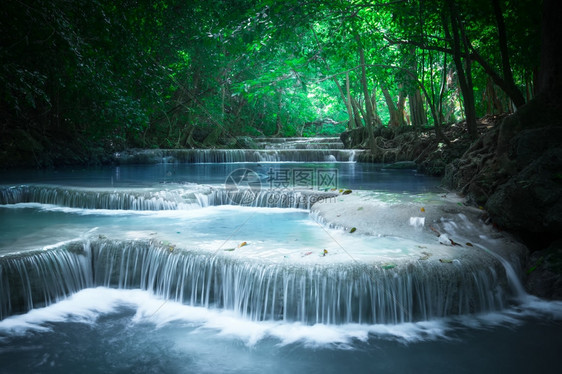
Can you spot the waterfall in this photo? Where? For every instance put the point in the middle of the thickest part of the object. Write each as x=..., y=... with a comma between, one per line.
x=204, y=156
x=514, y=282
x=265, y=198
x=130, y=199
x=310, y=294
x=37, y=279
x=300, y=143
x=84, y=198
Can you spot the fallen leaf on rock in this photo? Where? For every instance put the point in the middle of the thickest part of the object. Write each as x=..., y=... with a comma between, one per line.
x=426, y=255
x=435, y=230
x=346, y=192
x=242, y=244
x=353, y=229
x=360, y=208
x=422, y=209
x=445, y=261
x=229, y=249
x=455, y=243
x=469, y=244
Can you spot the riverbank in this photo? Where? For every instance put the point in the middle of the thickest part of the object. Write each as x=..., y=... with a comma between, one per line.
x=512, y=171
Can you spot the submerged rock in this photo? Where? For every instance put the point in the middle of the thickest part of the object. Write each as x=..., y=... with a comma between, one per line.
x=402, y=165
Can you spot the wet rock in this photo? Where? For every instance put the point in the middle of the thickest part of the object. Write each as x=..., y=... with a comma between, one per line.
x=246, y=142
x=354, y=138
x=515, y=171
x=544, y=272
x=531, y=144
x=531, y=200
x=139, y=156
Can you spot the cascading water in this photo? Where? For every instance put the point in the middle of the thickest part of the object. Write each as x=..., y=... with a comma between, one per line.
x=257, y=290
x=175, y=260
x=205, y=156
x=34, y=280
x=150, y=199
x=300, y=143
x=84, y=198
x=270, y=150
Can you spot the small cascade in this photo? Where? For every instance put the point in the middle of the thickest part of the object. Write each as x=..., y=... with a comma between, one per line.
x=177, y=199
x=300, y=143
x=84, y=198
x=514, y=281
x=265, y=198
x=38, y=279
x=270, y=150
x=310, y=294
x=204, y=156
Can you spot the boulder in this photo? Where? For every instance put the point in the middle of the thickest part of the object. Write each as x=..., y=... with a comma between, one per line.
x=531, y=200
x=544, y=272
x=354, y=138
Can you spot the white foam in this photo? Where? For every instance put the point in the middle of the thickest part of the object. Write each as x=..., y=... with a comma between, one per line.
x=190, y=213
x=417, y=221
x=88, y=305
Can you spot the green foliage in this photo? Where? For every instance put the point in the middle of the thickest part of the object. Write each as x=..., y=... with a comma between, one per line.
x=91, y=75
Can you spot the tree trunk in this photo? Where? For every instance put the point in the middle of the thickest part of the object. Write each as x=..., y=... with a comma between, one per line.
x=278, y=119
x=511, y=88
x=356, y=112
x=417, y=110
x=368, y=107
x=550, y=71
x=377, y=119
x=348, y=103
x=396, y=112
x=465, y=79
x=360, y=110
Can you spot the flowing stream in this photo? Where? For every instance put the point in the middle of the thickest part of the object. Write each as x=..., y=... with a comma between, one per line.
x=288, y=258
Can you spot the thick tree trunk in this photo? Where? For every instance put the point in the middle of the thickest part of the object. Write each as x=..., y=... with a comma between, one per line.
x=550, y=71
x=396, y=112
x=418, y=116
